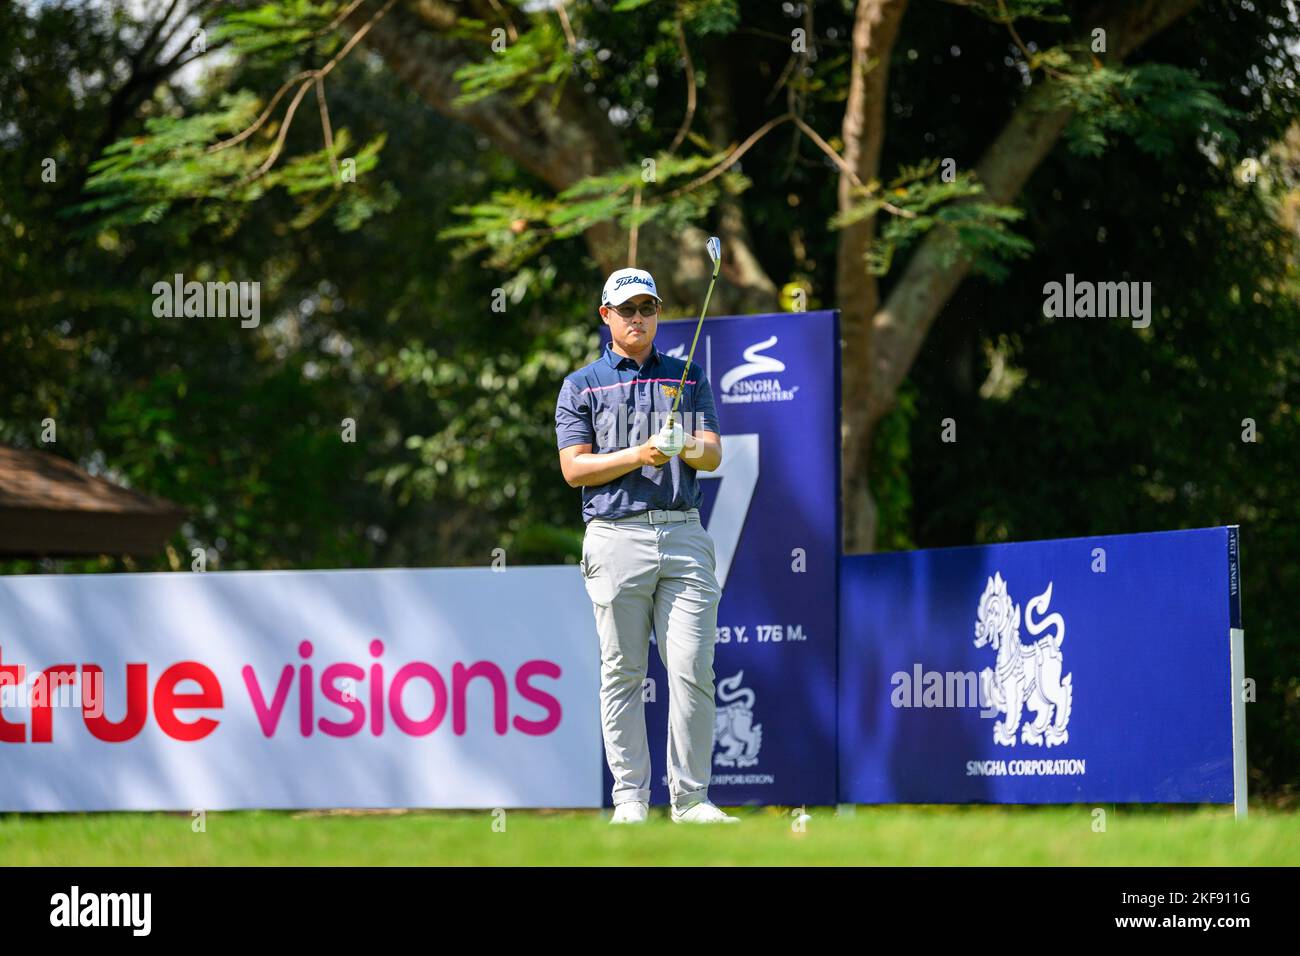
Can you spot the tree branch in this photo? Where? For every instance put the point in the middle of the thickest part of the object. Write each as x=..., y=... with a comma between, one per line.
x=310, y=76
x=328, y=132
x=733, y=157
x=559, y=146
x=875, y=30
x=147, y=48
x=560, y=139
x=284, y=131
x=141, y=81
x=690, y=88
x=930, y=278
x=563, y=14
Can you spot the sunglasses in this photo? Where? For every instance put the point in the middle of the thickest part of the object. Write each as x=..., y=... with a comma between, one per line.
x=645, y=308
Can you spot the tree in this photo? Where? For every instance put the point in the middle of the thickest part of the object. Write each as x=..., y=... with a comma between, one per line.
x=537, y=85
x=242, y=426
x=978, y=152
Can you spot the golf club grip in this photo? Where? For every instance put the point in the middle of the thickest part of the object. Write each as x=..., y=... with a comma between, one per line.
x=669, y=424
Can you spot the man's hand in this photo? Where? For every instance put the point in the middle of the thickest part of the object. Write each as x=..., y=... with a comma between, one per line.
x=582, y=468
x=649, y=454
x=670, y=441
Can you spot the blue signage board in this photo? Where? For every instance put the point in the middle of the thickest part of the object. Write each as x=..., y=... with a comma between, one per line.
x=772, y=510
x=1071, y=671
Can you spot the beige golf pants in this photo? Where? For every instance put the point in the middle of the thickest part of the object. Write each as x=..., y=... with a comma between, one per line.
x=655, y=569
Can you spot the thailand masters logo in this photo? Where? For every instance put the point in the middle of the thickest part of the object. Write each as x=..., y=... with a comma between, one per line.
x=734, y=729
x=1026, y=675
x=738, y=385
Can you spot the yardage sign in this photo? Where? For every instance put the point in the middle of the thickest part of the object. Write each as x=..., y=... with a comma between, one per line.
x=773, y=512
x=1099, y=669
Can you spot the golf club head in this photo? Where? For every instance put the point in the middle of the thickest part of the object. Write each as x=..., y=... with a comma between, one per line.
x=714, y=245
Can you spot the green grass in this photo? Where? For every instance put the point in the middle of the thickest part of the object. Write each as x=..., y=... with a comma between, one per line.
x=910, y=836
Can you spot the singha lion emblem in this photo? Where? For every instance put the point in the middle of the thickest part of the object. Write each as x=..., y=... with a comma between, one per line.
x=1026, y=675
x=734, y=729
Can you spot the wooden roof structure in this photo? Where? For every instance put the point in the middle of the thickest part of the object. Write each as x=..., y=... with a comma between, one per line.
x=51, y=507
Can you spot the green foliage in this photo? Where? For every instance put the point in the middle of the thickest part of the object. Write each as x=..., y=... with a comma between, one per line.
x=513, y=226
x=917, y=202
x=703, y=17
x=501, y=226
x=1008, y=11
x=982, y=235
x=242, y=427
x=538, y=60
x=140, y=177
x=143, y=178
x=1157, y=105
x=279, y=32
x=891, y=484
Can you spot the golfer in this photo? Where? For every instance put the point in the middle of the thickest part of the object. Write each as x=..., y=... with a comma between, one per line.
x=646, y=558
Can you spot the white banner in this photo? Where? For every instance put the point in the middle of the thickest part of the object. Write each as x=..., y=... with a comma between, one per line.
x=299, y=689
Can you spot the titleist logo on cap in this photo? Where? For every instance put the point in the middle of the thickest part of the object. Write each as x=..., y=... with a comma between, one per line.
x=629, y=279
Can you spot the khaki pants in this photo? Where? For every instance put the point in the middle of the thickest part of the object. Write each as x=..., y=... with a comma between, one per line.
x=655, y=569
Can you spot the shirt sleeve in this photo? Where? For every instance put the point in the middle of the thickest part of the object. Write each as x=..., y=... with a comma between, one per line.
x=706, y=415
x=573, y=424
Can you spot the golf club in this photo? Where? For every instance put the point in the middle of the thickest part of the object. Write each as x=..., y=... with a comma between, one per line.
x=714, y=247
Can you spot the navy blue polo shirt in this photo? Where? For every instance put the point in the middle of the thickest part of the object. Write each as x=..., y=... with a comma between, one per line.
x=612, y=404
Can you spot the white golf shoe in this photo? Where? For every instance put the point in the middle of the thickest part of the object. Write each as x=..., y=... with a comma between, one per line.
x=704, y=812
x=634, y=811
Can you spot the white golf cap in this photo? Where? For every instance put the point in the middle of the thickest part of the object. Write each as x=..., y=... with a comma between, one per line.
x=625, y=283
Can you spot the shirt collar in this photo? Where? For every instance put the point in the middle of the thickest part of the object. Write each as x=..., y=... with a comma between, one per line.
x=616, y=361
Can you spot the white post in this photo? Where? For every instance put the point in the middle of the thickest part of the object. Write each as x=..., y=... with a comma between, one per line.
x=1237, y=639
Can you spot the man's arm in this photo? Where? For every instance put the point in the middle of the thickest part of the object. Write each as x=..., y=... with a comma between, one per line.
x=703, y=450
x=581, y=467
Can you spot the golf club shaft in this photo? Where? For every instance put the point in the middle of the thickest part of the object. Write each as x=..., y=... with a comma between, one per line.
x=717, y=266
